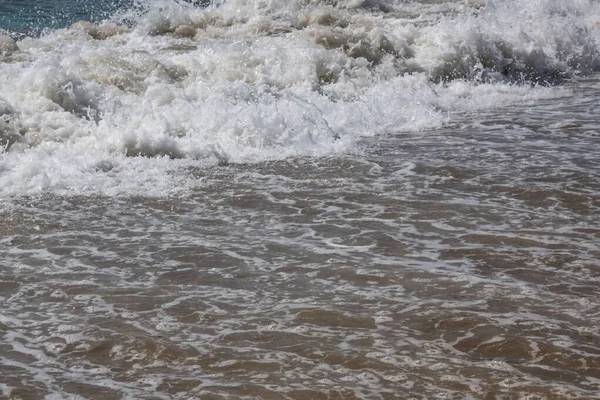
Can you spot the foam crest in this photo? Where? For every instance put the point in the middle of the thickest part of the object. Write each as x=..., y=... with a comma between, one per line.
x=243, y=81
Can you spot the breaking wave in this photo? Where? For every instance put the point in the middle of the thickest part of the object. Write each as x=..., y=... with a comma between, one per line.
x=126, y=105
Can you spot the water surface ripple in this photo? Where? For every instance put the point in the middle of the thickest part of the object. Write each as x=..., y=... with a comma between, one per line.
x=460, y=263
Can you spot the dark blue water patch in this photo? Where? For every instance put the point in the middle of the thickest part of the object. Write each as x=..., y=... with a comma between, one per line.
x=32, y=17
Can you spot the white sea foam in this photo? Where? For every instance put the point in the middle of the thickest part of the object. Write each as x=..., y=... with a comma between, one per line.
x=114, y=109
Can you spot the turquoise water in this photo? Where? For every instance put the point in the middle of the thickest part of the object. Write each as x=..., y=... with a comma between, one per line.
x=33, y=16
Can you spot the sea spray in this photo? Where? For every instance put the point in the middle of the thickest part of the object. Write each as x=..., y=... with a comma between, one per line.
x=242, y=81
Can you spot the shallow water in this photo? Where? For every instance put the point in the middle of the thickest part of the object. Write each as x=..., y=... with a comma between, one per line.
x=461, y=263
x=444, y=246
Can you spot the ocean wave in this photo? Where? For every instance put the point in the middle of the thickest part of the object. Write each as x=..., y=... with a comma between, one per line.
x=249, y=81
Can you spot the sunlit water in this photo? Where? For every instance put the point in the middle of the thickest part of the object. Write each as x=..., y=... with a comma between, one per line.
x=303, y=201
x=34, y=16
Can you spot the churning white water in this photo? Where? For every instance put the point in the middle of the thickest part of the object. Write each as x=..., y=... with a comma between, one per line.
x=353, y=199
x=125, y=106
